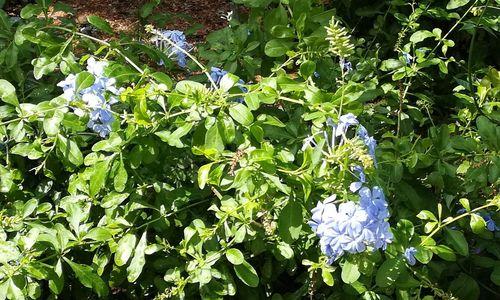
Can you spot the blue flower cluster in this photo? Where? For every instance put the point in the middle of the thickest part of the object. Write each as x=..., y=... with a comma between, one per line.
x=94, y=97
x=352, y=227
x=179, y=39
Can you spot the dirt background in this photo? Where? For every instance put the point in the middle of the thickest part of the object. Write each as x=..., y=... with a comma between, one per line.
x=201, y=16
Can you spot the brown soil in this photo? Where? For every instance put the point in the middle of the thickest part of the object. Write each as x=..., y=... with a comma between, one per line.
x=204, y=16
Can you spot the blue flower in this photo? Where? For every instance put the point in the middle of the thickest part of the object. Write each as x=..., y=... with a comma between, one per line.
x=352, y=227
x=217, y=74
x=323, y=213
x=375, y=204
x=373, y=201
x=345, y=65
x=369, y=141
x=410, y=255
x=100, y=121
x=345, y=121
x=408, y=58
x=179, y=39
x=490, y=223
x=360, y=175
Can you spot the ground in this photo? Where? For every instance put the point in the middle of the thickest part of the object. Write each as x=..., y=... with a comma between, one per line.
x=205, y=15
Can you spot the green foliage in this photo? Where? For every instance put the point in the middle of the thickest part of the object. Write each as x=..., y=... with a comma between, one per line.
x=202, y=191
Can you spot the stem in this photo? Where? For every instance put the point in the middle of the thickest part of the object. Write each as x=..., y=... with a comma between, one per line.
x=103, y=43
x=442, y=225
x=32, y=115
x=291, y=100
x=343, y=90
x=469, y=69
x=402, y=96
x=453, y=27
x=172, y=213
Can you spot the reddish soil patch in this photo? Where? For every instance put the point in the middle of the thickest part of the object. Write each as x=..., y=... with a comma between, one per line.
x=200, y=17
x=203, y=15
x=121, y=15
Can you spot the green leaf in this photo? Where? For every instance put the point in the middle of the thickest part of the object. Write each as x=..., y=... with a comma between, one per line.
x=174, y=138
x=235, y=256
x=121, y=177
x=327, y=277
x=111, y=144
x=124, y=250
x=389, y=272
x=147, y=9
x=29, y=207
x=444, y=252
x=226, y=128
x=477, y=224
x=457, y=239
x=99, y=234
x=290, y=222
x=42, y=66
x=30, y=10
x=495, y=275
x=100, y=24
x=456, y=4
x=8, y=93
x=350, y=272
x=391, y=64
x=8, y=252
x=203, y=172
x=138, y=261
x=163, y=78
x=213, y=139
x=489, y=132
x=285, y=250
x=277, y=47
x=241, y=114
x=11, y=55
x=51, y=124
x=426, y=215
x=282, y=31
x=276, y=181
x=98, y=178
x=420, y=36
x=307, y=68
x=88, y=278
x=83, y=80
x=247, y=274
x=113, y=199
x=14, y=290
x=465, y=287
x=70, y=151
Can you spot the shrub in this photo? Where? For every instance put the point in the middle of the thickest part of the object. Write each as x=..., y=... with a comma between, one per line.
x=362, y=162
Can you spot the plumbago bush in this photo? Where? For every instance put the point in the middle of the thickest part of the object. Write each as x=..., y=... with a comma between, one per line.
x=343, y=150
